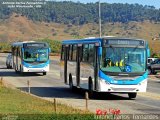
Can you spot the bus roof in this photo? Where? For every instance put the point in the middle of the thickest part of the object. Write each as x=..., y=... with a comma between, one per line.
x=94, y=39
x=85, y=40
x=21, y=43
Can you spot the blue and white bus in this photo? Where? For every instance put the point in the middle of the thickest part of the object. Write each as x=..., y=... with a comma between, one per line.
x=107, y=64
x=31, y=56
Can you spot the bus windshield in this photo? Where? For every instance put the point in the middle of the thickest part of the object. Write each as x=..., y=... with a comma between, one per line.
x=123, y=59
x=35, y=55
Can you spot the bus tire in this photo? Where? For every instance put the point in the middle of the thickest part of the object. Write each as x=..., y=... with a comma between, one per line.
x=21, y=71
x=70, y=82
x=90, y=87
x=132, y=95
x=44, y=73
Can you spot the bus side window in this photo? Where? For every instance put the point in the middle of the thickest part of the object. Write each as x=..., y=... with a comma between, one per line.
x=91, y=54
x=85, y=52
x=74, y=53
x=70, y=52
x=81, y=53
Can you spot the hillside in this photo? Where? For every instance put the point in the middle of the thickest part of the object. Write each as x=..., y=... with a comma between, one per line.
x=68, y=12
x=20, y=28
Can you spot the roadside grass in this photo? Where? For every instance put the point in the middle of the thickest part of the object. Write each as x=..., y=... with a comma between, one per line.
x=15, y=102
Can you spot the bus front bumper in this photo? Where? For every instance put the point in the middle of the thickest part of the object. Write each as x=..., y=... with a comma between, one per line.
x=106, y=87
x=45, y=69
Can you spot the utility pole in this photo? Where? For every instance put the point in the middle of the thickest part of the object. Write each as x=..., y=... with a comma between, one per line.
x=100, y=30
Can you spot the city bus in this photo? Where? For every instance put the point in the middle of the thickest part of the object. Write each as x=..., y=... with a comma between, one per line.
x=30, y=56
x=106, y=64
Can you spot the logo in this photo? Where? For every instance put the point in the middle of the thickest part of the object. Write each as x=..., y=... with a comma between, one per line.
x=128, y=68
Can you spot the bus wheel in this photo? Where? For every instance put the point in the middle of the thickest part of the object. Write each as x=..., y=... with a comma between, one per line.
x=132, y=95
x=44, y=73
x=21, y=71
x=70, y=82
x=90, y=87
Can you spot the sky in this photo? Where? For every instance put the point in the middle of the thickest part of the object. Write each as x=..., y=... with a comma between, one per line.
x=155, y=3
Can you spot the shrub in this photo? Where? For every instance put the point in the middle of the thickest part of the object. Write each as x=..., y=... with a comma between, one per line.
x=5, y=47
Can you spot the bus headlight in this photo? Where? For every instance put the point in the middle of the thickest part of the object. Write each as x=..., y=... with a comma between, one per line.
x=104, y=81
x=143, y=82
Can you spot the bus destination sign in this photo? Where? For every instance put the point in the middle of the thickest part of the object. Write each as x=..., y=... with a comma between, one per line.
x=124, y=42
x=35, y=45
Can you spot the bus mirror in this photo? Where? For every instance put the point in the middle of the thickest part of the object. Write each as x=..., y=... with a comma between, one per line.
x=99, y=51
x=148, y=53
x=49, y=50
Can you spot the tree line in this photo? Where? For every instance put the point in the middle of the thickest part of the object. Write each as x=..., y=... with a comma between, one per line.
x=79, y=13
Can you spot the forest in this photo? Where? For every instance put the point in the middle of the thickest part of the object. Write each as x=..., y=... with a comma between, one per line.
x=79, y=13
x=55, y=21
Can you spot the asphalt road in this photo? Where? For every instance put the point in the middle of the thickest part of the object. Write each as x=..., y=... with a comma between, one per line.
x=50, y=87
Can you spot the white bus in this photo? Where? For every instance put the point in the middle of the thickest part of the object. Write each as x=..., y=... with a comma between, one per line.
x=31, y=56
x=108, y=64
